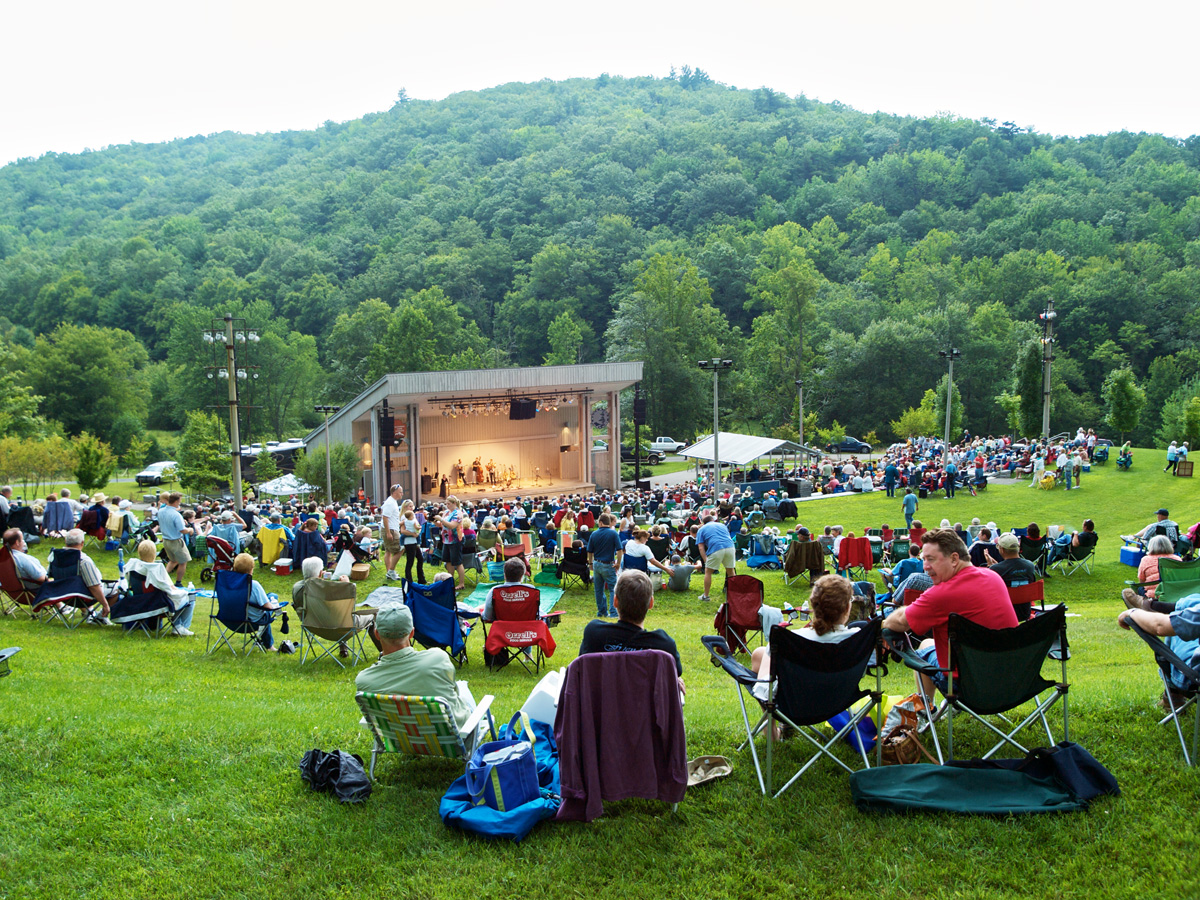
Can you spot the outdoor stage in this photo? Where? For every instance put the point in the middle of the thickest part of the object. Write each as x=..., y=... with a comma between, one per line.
x=545, y=488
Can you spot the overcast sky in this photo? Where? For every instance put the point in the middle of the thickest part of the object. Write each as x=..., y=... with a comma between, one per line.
x=78, y=75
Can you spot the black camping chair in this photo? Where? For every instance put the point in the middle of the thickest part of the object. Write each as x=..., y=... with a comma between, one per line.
x=1167, y=659
x=999, y=670
x=810, y=683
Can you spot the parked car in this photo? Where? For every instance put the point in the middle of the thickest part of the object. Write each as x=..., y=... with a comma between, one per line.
x=666, y=444
x=599, y=446
x=651, y=458
x=849, y=445
x=155, y=473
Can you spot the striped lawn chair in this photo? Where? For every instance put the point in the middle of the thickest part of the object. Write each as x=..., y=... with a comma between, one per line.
x=421, y=726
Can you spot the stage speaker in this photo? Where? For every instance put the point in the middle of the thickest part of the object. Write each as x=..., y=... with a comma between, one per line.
x=387, y=430
x=522, y=409
x=639, y=410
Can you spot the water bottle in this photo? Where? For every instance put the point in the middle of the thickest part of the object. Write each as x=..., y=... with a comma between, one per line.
x=120, y=560
x=191, y=588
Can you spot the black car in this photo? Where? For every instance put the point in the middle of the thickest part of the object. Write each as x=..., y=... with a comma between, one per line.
x=652, y=458
x=849, y=445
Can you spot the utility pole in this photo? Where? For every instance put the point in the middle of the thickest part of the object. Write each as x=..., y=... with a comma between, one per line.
x=800, y=424
x=717, y=366
x=1047, y=316
x=223, y=333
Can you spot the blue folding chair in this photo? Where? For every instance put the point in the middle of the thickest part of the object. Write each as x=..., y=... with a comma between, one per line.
x=437, y=619
x=233, y=615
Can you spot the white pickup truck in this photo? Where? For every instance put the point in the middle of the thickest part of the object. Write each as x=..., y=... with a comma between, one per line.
x=667, y=445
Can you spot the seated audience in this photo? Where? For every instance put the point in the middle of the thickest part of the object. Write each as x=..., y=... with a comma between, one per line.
x=984, y=552
x=311, y=569
x=681, y=574
x=259, y=601
x=1076, y=545
x=1181, y=628
x=904, y=568
x=31, y=572
x=147, y=572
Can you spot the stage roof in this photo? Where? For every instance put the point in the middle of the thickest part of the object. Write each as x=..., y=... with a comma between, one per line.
x=740, y=449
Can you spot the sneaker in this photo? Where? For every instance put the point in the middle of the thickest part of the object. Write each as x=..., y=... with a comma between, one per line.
x=1134, y=600
x=101, y=620
x=391, y=576
x=612, y=614
x=704, y=598
x=183, y=632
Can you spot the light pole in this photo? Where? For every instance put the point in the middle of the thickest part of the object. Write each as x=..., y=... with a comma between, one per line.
x=950, y=356
x=326, y=410
x=1048, y=315
x=223, y=332
x=717, y=366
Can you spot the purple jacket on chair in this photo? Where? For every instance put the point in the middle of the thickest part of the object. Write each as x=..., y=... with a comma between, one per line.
x=619, y=730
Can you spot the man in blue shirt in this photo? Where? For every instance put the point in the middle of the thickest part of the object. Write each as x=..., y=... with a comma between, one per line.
x=1182, y=631
x=890, y=476
x=171, y=524
x=604, y=551
x=716, y=550
x=908, y=566
x=951, y=478
x=910, y=506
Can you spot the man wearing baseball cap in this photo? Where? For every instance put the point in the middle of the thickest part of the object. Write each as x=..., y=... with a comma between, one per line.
x=1161, y=525
x=402, y=669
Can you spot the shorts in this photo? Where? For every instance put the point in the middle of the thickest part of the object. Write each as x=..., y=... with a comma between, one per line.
x=391, y=544
x=452, y=554
x=929, y=654
x=177, y=551
x=721, y=559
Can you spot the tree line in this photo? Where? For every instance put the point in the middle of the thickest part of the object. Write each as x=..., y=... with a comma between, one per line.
x=666, y=220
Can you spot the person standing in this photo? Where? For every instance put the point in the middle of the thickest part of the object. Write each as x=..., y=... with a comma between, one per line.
x=1067, y=466
x=390, y=514
x=172, y=527
x=717, y=551
x=1172, y=457
x=604, y=551
x=451, y=523
x=890, y=475
x=910, y=504
x=951, y=471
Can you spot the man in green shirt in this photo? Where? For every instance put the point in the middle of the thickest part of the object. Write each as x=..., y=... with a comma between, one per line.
x=401, y=669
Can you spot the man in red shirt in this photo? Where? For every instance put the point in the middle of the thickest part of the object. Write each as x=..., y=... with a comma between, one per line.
x=979, y=594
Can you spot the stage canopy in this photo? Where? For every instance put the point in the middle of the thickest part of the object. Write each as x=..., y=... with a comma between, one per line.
x=740, y=449
x=285, y=486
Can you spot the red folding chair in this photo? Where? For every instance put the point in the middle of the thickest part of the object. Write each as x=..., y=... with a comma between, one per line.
x=16, y=597
x=1023, y=596
x=737, y=619
x=854, y=556
x=518, y=630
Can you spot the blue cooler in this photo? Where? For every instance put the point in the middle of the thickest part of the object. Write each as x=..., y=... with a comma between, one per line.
x=1087, y=467
x=1131, y=555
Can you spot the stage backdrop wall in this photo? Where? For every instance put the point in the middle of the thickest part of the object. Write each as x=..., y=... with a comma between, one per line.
x=523, y=444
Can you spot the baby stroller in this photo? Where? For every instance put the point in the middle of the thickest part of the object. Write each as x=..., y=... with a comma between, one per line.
x=344, y=541
x=219, y=554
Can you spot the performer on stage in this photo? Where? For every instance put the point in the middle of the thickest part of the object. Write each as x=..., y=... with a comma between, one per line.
x=491, y=470
x=478, y=470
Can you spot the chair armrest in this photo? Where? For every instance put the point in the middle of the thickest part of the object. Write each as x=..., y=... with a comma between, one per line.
x=918, y=664
x=483, y=708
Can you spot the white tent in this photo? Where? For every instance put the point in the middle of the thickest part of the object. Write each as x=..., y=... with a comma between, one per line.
x=740, y=449
x=285, y=486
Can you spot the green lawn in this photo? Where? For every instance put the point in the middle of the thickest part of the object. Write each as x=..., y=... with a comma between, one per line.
x=134, y=768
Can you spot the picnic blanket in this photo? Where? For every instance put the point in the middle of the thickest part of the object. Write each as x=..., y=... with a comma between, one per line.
x=549, y=597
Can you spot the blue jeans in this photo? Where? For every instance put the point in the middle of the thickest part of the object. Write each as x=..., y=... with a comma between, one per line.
x=891, y=488
x=951, y=484
x=908, y=517
x=605, y=576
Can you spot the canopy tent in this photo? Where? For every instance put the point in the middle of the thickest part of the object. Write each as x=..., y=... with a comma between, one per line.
x=285, y=486
x=740, y=449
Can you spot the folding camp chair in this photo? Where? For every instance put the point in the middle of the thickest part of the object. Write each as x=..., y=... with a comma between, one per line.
x=803, y=559
x=472, y=562
x=999, y=670
x=96, y=534
x=898, y=549
x=518, y=631
x=810, y=683
x=1076, y=558
x=1176, y=580
x=306, y=544
x=1035, y=551
x=1167, y=660
x=574, y=565
x=64, y=596
x=628, y=700
x=326, y=611
x=145, y=608
x=421, y=726
x=660, y=547
x=737, y=619
x=741, y=542
x=16, y=596
x=1023, y=596
x=486, y=539
x=232, y=616
x=437, y=620
x=854, y=557
x=763, y=554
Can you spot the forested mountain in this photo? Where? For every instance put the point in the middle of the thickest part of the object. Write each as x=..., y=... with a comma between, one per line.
x=667, y=220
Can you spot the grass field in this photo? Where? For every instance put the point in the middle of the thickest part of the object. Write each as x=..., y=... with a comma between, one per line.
x=137, y=768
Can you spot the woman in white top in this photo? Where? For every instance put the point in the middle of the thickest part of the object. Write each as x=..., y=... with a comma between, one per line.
x=410, y=535
x=829, y=604
x=639, y=549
